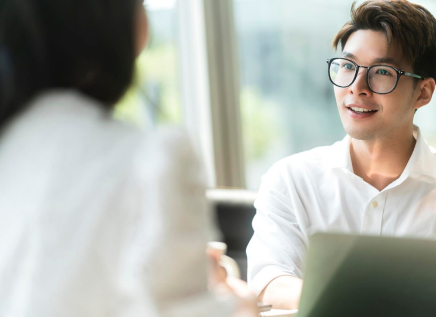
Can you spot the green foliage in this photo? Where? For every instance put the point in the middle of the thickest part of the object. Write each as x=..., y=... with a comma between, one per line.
x=156, y=70
x=260, y=124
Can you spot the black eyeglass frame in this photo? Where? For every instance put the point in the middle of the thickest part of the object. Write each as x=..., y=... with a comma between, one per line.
x=368, y=68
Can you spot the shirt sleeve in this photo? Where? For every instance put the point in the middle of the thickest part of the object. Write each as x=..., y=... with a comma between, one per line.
x=166, y=263
x=278, y=245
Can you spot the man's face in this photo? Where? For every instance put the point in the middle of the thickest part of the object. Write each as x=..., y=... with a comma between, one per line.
x=394, y=111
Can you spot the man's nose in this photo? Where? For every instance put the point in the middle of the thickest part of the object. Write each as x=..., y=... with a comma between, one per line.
x=360, y=86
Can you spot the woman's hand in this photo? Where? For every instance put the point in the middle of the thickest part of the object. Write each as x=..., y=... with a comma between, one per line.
x=220, y=283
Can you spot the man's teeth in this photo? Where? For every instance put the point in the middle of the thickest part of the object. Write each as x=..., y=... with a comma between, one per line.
x=361, y=109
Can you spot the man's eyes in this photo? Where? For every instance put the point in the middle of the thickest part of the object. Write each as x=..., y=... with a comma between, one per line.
x=348, y=66
x=383, y=72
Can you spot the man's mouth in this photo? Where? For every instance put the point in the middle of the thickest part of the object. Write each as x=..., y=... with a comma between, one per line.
x=361, y=110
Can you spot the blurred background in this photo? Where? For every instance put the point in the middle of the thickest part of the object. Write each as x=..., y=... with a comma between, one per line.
x=247, y=78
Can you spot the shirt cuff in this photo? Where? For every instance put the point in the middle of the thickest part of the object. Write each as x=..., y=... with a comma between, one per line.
x=265, y=276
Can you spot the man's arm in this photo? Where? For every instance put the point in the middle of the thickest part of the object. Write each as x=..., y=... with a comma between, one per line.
x=282, y=293
x=277, y=249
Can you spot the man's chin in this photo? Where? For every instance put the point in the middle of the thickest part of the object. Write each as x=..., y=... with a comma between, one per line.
x=361, y=134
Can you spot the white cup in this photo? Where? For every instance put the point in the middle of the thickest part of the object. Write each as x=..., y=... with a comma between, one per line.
x=226, y=262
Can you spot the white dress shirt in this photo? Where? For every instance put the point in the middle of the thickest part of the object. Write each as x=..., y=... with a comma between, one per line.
x=318, y=191
x=100, y=219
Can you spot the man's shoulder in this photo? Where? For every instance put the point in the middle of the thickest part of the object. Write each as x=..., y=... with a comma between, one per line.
x=301, y=168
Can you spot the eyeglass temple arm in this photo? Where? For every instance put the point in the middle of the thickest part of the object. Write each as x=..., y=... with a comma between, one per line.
x=413, y=75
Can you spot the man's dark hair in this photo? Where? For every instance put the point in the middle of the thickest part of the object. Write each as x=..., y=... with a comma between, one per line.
x=410, y=25
x=85, y=45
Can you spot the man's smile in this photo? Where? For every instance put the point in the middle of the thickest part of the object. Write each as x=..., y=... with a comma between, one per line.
x=359, y=111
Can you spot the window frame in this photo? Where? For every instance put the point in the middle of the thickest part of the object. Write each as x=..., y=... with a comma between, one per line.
x=210, y=88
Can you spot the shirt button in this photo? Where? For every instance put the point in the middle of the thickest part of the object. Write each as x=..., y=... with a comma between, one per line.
x=374, y=204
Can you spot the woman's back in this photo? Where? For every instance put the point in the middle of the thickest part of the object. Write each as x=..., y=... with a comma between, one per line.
x=93, y=213
x=63, y=163
x=96, y=219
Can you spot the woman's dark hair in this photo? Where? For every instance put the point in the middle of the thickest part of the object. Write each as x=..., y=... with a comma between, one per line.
x=412, y=26
x=85, y=45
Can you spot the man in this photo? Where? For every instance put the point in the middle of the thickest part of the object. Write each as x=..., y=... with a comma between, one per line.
x=381, y=179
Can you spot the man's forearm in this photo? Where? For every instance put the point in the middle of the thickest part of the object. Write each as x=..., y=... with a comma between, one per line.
x=282, y=293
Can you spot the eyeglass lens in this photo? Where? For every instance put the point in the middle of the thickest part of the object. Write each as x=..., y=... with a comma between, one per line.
x=381, y=79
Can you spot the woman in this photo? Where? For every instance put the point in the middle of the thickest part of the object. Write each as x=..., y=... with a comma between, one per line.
x=96, y=219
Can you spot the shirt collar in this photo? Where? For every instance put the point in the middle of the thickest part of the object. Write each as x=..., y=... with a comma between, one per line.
x=422, y=161
x=338, y=155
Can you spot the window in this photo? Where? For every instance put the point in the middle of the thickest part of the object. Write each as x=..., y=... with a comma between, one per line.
x=155, y=94
x=287, y=101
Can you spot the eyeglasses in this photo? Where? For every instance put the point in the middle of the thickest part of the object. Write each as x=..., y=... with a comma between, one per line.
x=381, y=79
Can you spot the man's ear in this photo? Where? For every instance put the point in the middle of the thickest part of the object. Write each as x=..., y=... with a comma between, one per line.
x=425, y=90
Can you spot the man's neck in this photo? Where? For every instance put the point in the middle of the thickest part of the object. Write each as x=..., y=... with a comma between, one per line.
x=380, y=162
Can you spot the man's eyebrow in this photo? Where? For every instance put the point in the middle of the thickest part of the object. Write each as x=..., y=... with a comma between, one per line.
x=348, y=55
x=380, y=60
x=386, y=60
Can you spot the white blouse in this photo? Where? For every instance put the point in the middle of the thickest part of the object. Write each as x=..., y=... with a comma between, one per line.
x=99, y=219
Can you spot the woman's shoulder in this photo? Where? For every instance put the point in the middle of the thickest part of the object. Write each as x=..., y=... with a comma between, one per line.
x=84, y=132
x=166, y=149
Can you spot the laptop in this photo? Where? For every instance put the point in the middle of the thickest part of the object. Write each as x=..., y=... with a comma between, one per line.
x=350, y=275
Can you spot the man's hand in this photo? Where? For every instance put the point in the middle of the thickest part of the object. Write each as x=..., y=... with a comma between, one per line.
x=282, y=293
